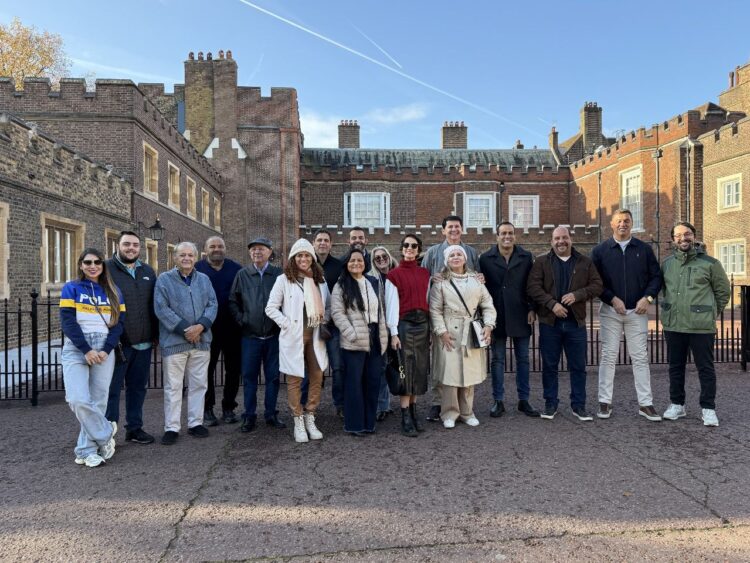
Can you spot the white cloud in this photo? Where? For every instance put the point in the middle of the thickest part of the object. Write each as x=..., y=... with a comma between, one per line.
x=397, y=114
x=319, y=130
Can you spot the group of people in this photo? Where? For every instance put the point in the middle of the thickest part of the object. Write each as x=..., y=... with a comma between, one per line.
x=382, y=327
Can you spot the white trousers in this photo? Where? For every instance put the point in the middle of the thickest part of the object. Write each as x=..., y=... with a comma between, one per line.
x=193, y=366
x=635, y=328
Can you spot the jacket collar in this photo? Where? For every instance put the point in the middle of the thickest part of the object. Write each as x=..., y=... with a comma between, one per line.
x=573, y=252
x=518, y=253
x=633, y=242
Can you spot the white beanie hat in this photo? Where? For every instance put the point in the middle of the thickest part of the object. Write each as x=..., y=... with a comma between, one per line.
x=453, y=248
x=302, y=245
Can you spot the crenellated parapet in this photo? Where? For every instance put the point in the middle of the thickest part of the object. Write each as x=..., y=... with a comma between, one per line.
x=731, y=139
x=30, y=158
x=111, y=98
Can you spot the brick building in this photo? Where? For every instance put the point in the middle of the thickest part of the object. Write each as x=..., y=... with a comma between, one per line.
x=120, y=127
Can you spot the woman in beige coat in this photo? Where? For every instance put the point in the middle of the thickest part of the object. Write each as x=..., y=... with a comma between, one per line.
x=456, y=363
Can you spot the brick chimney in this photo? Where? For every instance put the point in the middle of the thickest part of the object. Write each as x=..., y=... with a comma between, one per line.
x=455, y=135
x=591, y=126
x=518, y=145
x=348, y=134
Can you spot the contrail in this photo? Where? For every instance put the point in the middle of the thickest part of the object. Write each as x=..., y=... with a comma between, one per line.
x=257, y=67
x=394, y=70
x=378, y=47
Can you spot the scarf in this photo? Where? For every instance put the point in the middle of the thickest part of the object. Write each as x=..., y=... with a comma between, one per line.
x=314, y=308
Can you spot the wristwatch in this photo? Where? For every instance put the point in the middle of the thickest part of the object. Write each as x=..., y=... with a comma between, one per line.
x=649, y=299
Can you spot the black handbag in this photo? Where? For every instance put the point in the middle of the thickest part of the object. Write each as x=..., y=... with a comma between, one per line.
x=477, y=324
x=395, y=375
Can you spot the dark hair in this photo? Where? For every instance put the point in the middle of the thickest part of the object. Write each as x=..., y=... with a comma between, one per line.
x=106, y=282
x=623, y=211
x=356, y=228
x=681, y=224
x=350, y=292
x=452, y=218
x=497, y=229
x=292, y=272
x=415, y=237
x=125, y=234
x=322, y=232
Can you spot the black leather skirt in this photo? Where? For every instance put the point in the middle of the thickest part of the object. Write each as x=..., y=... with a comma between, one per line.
x=414, y=333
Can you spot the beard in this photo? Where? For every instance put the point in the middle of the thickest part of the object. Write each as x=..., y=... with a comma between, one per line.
x=125, y=260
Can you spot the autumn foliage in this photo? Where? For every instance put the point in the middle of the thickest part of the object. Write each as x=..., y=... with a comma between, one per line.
x=26, y=52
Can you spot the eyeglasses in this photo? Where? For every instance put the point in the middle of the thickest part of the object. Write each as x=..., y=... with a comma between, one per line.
x=381, y=258
x=91, y=262
x=412, y=245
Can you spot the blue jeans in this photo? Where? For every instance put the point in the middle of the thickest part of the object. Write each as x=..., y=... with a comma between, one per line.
x=497, y=367
x=86, y=392
x=257, y=351
x=362, y=375
x=333, y=347
x=134, y=372
x=564, y=335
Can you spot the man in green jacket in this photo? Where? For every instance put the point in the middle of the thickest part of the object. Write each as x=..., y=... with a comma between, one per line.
x=694, y=293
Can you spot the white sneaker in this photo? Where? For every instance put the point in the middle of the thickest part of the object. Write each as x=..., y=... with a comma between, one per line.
x=114, y=428
x=108, y=449
x=674, y=412
x=448, y=423
x=91, y=460
x=300, y=434
x=709, y=417
x=312, y=430
x=472, y=421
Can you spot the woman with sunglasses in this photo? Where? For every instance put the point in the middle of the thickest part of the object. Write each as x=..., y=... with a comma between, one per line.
x=382, y=263
x=91, y=315
x=297, y=304
x=459, y=366
x=410, y=313
x=357, y=310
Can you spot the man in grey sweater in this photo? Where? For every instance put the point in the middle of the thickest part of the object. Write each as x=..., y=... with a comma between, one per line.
x=185, y=303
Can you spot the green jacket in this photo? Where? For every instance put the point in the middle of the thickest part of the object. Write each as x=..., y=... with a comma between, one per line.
x=694, y=293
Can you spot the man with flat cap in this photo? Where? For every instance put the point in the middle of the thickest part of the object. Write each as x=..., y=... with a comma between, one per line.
x=260, y=335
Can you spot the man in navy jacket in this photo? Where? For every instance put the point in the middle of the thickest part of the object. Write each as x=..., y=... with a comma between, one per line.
x=632, y=280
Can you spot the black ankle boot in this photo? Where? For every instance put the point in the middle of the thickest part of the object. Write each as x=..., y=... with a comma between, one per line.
x=418, y=426
x=407, y=424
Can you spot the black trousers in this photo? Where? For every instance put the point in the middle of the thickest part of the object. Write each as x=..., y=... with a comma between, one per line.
x=226, y=338
x=702, y=348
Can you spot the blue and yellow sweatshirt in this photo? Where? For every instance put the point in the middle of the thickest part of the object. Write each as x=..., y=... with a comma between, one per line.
x=78, y=315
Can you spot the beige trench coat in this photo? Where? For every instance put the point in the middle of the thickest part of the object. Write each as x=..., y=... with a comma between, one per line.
x=464, y=366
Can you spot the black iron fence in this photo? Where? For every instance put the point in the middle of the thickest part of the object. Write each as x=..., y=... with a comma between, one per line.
x=30, y=359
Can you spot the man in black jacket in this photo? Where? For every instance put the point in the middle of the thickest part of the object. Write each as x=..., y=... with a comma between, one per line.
x=136, y=282
x=632, y=280
x=506, y=268
x=260, y=335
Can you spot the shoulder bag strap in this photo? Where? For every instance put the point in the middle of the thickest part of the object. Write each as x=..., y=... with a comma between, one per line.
x=462, y=300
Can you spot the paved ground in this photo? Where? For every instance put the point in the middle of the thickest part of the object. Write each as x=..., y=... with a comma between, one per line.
x=513, y=489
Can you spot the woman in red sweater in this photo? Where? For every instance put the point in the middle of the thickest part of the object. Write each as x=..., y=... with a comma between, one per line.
x=412, y=343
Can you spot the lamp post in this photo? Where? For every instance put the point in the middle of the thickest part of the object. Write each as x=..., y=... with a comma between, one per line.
x=155, y=231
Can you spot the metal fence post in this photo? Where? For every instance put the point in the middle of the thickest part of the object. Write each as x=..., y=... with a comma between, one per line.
x=34, y=349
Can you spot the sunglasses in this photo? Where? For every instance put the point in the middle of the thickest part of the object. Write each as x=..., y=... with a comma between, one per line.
x=381, y=258
x=91, y=262
x=412, y=245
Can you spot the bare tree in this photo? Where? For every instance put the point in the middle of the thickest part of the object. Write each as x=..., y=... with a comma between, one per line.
x=24, y=51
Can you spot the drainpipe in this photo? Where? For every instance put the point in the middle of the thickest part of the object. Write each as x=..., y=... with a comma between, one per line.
x=657, y=154
x=688, y=195
x=599, y=213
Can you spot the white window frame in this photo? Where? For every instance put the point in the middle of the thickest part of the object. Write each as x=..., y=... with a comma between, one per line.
x=151, y=183
x=64, y=272
x=739, y=246
x=175, y=203
x=192, y=197
x=217, y=213
x=205, y=206
x=733, y=182
x=488, y=197
x=385, y=209
x=634, y=206
x=513, y=199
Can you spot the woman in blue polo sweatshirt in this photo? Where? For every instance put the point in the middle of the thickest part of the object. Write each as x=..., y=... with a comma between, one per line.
x=91, y=315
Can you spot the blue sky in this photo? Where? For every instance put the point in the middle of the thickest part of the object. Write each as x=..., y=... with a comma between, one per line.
x=508, y=70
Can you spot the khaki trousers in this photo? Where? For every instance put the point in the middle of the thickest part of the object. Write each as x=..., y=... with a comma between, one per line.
x=315, y=377
x=457, y=402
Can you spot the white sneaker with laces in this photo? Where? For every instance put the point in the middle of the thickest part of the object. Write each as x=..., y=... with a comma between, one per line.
x=709, y=417
x=674, y=412
x=472, y=421
x=300, y=434
x=448, y=423
x=312, y=430
x=91, y=460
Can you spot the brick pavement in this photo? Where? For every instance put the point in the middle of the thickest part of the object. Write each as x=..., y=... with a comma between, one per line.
x=513, y=489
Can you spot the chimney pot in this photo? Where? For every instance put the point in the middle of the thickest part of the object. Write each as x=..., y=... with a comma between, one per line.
x=200, y=55
x=221, y=53
x=191, y=56
x=209, y=56
x=229, y=54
